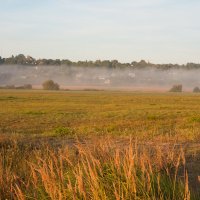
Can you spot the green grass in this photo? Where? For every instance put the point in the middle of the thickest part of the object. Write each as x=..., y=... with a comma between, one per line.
x=100, y=113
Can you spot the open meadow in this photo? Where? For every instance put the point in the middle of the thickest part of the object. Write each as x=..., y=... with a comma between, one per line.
x=99, y=145
x=85, y=113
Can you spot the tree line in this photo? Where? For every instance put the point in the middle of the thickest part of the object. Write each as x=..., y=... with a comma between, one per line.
x=30, y=61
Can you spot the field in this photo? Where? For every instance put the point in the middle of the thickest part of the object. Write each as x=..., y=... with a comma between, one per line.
x=99, y=145
x=142, y=115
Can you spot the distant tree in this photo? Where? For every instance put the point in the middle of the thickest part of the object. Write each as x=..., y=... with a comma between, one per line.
x=192, y=66
x=20, y=59
x=1, y=60
x=27, y=86
x=19, y=87
x=23, y=60
x=10, y=61
x=106, y=63
x=142, y=63
x=57, y=62
x=97, y=63
x=176, y=88
x=10, y=87
x=50, y=85
x=196, y=90
x=66, y=62
x=30, y=60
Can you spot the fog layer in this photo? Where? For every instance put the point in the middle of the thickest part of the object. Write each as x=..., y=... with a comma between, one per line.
x=99, y=77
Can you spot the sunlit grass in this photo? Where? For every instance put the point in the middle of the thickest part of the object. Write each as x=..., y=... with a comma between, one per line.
x=99, y=169
x=75, y=145
x=100, y=113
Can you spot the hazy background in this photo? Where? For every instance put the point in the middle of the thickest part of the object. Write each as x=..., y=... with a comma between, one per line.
x=159, y=31
x=99, y=77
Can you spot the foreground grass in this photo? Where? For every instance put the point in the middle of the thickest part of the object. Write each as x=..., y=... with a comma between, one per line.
x=41, y=157
x=95, y=170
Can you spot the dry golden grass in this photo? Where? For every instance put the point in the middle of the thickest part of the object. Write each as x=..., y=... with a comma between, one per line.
x=99, y=169
x=161, y=116
x=73, y=145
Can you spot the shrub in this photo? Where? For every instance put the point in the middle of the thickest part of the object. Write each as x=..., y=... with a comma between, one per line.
x=176, y=88
x=196, y=90
x=50, y=85
x=10, y=87
x=27, y=86
x=19, y=87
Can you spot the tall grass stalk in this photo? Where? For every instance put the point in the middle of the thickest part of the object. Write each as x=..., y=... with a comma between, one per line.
x=99, y=170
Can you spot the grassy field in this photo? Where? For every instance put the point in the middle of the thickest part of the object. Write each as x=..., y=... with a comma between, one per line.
x=100, y=113
x=118, y=145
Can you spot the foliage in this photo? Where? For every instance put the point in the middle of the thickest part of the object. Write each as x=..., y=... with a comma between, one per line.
x=50, y=85
x=9, y=87
x=176, y=88
x=196, y=90
x=23, y=60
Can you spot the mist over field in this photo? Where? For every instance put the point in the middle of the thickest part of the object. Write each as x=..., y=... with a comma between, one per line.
x=100, y=77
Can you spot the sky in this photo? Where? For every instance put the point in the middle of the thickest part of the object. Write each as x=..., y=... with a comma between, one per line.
x=158, y=31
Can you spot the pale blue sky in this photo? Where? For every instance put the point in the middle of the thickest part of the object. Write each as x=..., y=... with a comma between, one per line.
x=160, y=31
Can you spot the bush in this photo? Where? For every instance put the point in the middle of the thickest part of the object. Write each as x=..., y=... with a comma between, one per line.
x=176, y=88
x=27, y=86
x=10, y=87
x=50, y=85
x=196, y=90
